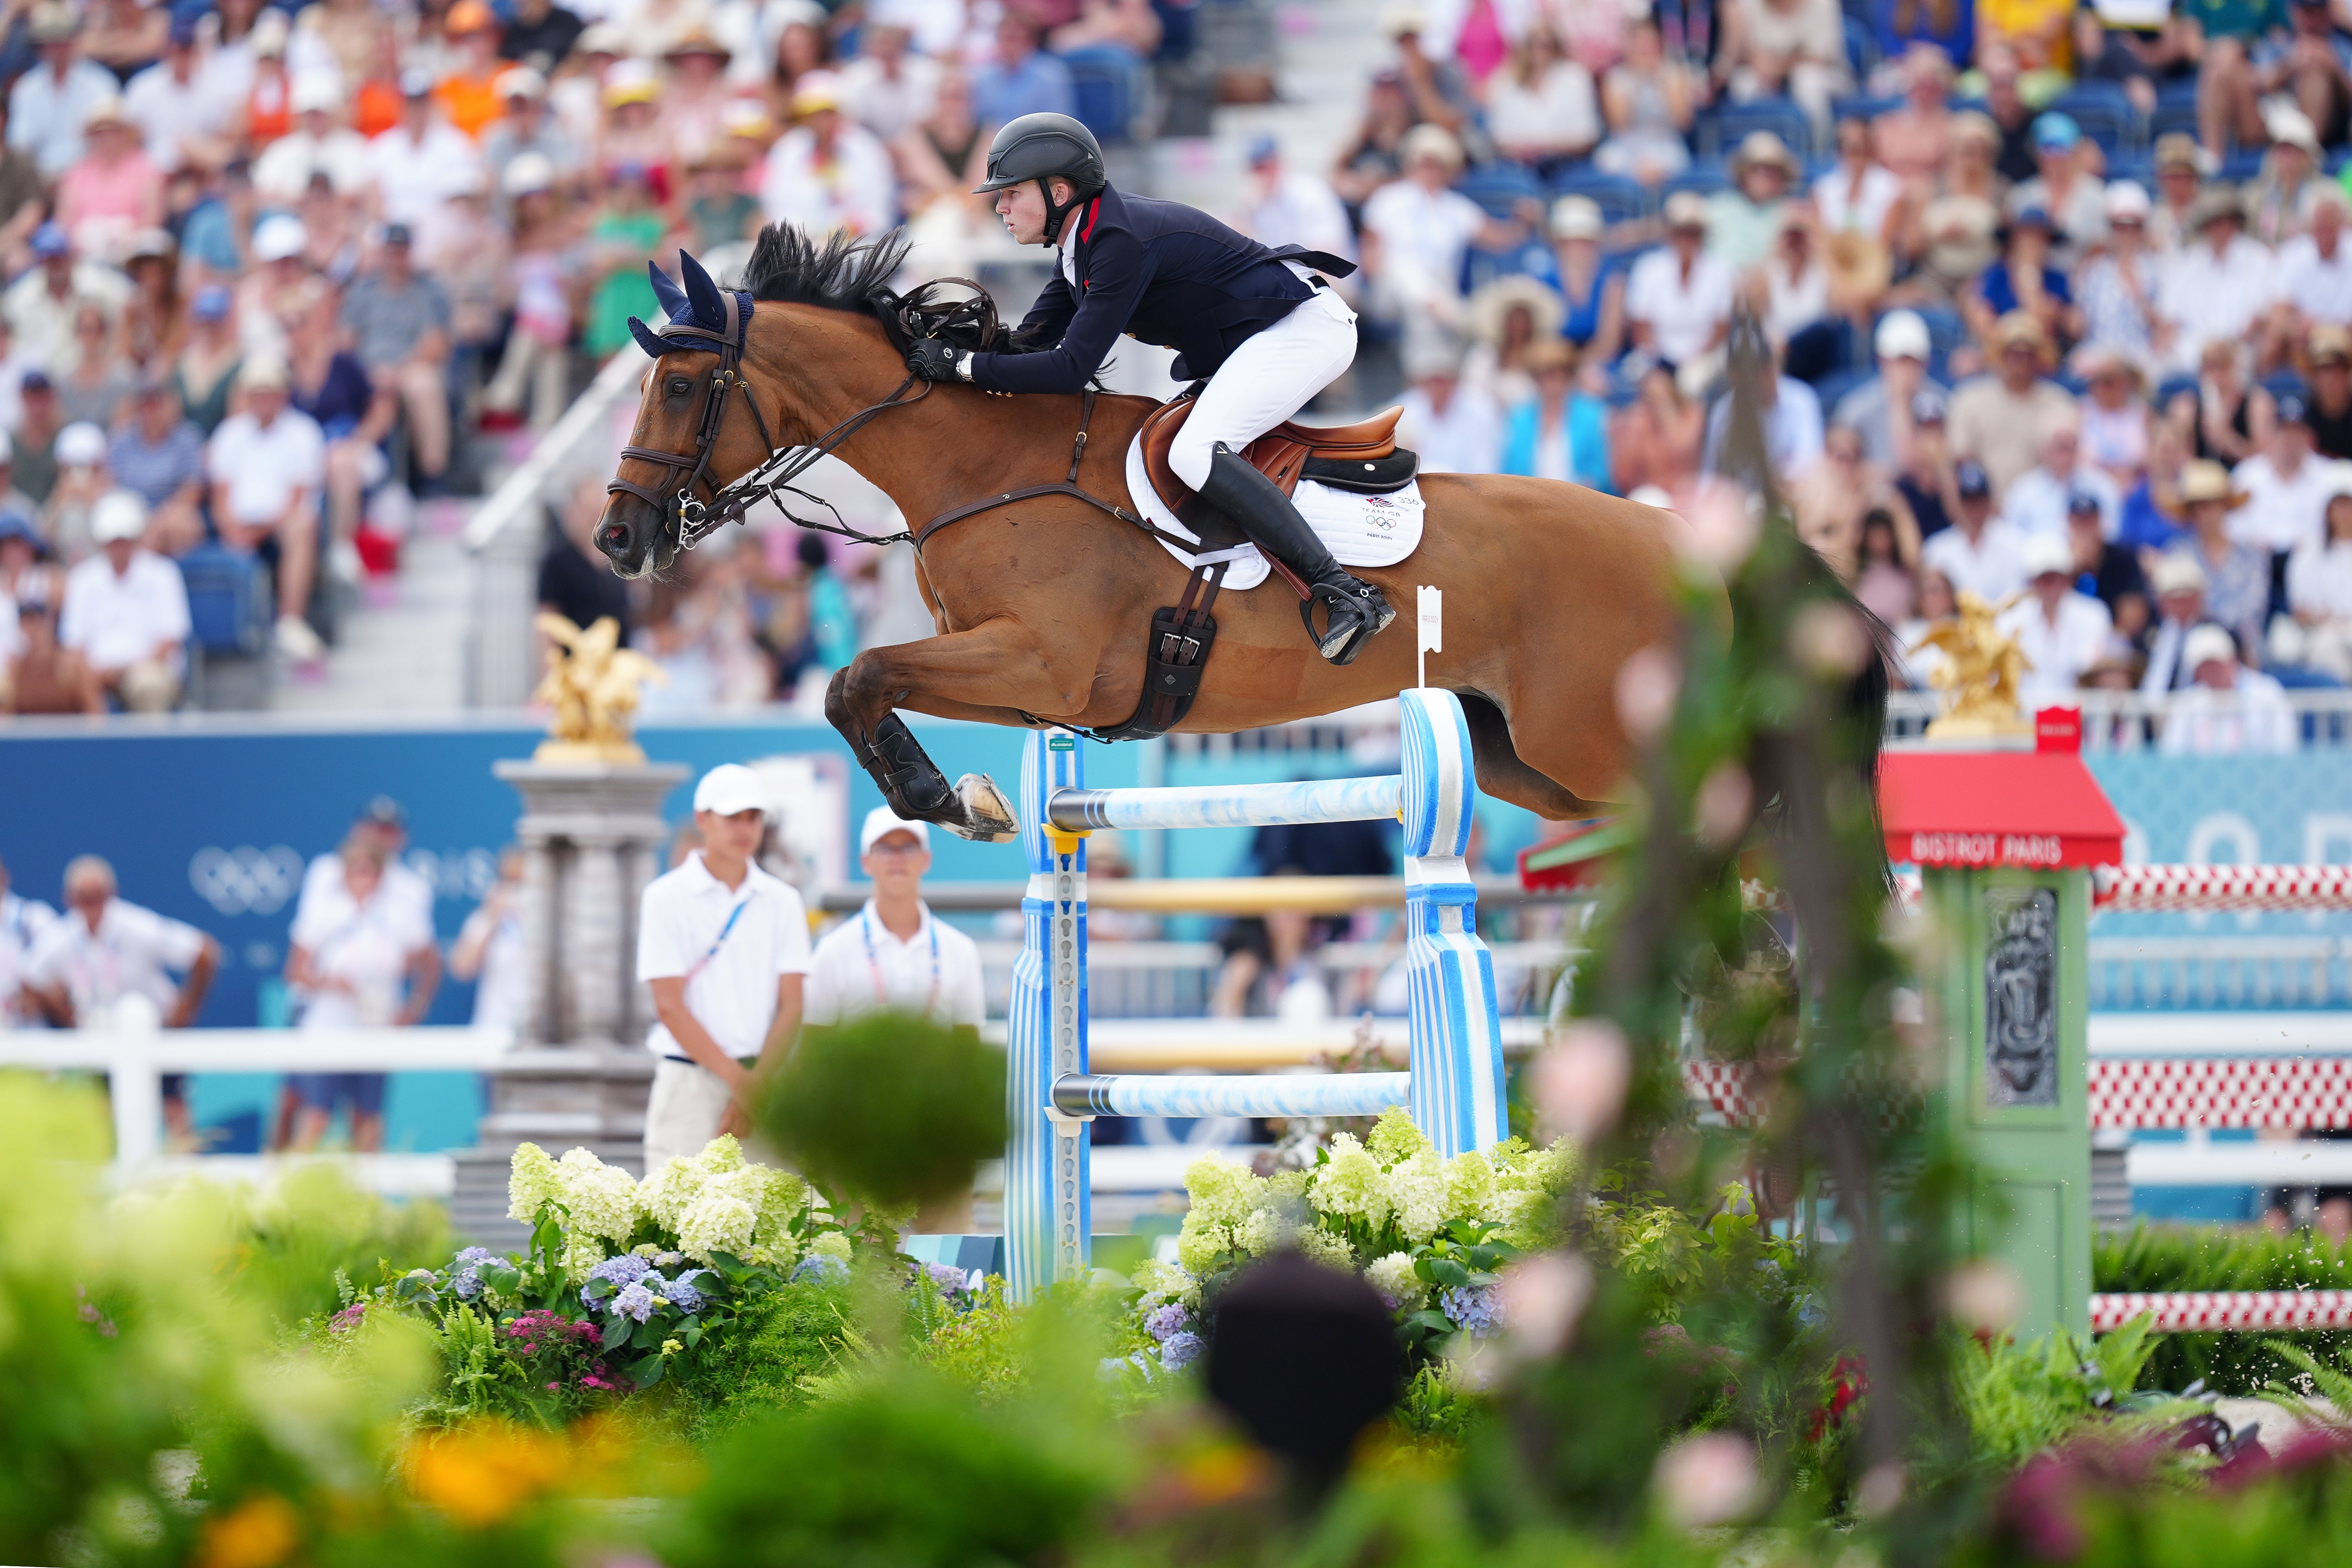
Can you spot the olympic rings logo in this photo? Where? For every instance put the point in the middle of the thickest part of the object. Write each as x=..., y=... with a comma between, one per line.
x=246, y=880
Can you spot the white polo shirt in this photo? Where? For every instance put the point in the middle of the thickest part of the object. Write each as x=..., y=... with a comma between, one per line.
x=2060, y=653
x=133, y=951
x=263, y=466
x=1992, y=567
x=365, y=945
x=684, y=929
x=22, y=923
x=322, y=878
x=1681, y=311
x=860, y=966
x=118, y=619
x=2284, y=513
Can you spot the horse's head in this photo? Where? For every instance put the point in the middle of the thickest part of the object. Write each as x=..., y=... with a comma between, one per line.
x=689, y=439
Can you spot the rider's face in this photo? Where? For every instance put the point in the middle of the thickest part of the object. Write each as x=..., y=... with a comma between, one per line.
x=1022, y=208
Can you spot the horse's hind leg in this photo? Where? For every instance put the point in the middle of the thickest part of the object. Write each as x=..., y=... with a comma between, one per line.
x=1504, y=775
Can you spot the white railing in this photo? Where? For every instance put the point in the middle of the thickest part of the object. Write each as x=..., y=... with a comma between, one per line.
x=2206, y=971
x=2128, y=721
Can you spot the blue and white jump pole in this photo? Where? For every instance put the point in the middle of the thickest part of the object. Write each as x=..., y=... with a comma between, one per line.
x=1454, y=1085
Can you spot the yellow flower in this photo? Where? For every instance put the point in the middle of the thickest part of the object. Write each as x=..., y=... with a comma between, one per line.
x=479, y=1475
x=259, y=1532
x=671, y=1347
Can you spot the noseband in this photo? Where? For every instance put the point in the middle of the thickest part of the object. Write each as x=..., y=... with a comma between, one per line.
x=697, y=519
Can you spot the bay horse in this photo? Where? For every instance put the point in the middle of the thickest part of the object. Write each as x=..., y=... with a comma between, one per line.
x=1042, y=604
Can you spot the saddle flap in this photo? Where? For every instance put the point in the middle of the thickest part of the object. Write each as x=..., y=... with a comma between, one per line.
x=1282, y=454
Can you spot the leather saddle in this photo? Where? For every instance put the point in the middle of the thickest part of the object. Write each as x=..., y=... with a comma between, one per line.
x=1363, y=456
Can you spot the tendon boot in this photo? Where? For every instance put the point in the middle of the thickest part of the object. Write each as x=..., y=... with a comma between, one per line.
x=1355, y=610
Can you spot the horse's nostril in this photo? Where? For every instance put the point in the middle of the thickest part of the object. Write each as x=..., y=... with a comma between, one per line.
x=614, y=536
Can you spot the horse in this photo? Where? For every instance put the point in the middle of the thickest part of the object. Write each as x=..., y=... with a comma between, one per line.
x=1042, y=603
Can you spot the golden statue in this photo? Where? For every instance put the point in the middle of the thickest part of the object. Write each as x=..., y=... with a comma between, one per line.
x=1979, y=677
x=591, y=684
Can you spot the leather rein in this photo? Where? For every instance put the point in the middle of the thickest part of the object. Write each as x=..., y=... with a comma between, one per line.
x=697, y=519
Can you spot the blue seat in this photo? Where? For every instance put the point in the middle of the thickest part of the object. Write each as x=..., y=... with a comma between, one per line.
x=2108, y=119
x=1722, y=132
x=1862, y=107
x=1705, y=176
x=2279, y=383
x=1861, y=48
x=2172, y=117
x=1500, y=187
x=1106, y=83
x=1619, y=198
x=227, y=608
x=2177, y=90
x=1947, y=331
x=2137, y=167
x=2240, y=165
x=2172, y=387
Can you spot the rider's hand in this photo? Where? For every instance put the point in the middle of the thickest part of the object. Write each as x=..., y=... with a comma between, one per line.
x=934, y=359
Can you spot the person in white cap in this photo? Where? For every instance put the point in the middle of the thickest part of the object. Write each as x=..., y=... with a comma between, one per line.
x=2315, y=273
x=266, y=465
x=1678, y=298
x=2227, y=707
x=894, y=953
x=320, y=143
x=126, y=610
x=725, y=948
x=2062, y=631
x=1880, y=408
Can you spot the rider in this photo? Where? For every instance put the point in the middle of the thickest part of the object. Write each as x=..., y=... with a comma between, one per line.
x=1255, y=323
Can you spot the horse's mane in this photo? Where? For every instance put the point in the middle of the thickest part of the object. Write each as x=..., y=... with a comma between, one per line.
x=838, y=272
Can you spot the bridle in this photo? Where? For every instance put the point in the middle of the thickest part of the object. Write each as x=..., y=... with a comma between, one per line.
x=697, y=519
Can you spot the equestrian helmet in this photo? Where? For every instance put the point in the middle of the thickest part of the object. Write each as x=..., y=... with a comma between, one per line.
x=1044, y=147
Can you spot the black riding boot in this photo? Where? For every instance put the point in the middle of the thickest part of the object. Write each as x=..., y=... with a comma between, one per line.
x=1259, y=508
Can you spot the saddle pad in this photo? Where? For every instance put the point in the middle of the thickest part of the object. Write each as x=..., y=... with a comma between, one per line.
x=1358, y=530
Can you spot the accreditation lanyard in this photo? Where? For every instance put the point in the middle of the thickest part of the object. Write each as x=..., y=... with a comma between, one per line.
x=720, y=940
x=873, y=964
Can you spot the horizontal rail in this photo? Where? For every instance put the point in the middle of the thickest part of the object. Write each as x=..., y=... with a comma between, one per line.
x=1273, y=1094
x=2238, y=1163
x=2221, y=1091
x=1229, y=805
x=2246, y=1034
x=392, y=1175
x=2211, y=887
x=419, y=1049
x=1200, y=895
x=2189, y=1311
x=1168, y=1045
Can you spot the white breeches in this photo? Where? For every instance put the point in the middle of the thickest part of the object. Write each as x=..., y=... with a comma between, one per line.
x=1265, y=381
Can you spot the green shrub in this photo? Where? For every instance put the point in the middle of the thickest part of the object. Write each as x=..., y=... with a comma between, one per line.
x=2184, y=1257
x=798, y=1332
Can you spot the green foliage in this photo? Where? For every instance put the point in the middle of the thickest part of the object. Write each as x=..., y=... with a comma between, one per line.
x=889, y=1107
x=2210, y=1257
x=294, y=1234
x=2316, y=1382
x=2021, y=1399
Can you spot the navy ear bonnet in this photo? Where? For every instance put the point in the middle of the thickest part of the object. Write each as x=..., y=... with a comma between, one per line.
x=701, y=315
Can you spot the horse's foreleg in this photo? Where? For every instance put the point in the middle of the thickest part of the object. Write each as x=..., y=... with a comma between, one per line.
x=1505, y=774
x=994, y=669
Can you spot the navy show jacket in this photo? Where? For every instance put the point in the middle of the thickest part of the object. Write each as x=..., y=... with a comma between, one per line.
x=1159, y=271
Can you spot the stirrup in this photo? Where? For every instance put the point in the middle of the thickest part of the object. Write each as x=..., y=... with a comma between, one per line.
x=1355, y=614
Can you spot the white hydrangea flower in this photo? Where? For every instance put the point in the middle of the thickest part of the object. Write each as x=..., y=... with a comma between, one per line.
x=832, y=1244
x=667, y=1194
x=1395, y=1139
x=716, y=1223
x=1469, y=1184
x=1416, y=1190
x=1398, y=1284
x=601, y=1199
x=531, y=1181
x=783, y=1197
x=1350, y=1185
x=582, y=1252
x=1326, y=1246
x=1259, y=1233
x=1163, y=1282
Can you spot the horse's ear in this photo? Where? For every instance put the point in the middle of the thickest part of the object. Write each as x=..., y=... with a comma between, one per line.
x=674, y=302
x=709, y=310
x=647, y=339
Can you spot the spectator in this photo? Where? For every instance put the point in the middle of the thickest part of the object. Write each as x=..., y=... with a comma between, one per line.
x=47, y=104
x=537, y=362
x=540, y=33
x=1678, y=299
x=398, y=320
x=718, y=210
x=1861, y=194
x=2036, y=501
x=1937, y=603
x=1654, y=441
x=1785, y=48
x=1283, y=207
x=1925, y=476
x=828, y=172
x=1914, y=140
x=206, y=368
x=1417, y=231
x=1999, y=419
x=81, y=479
x=1022, y=78
x=2116, y=289
x=2287, y=488
x=1881, y=407
x=1978, y=554
x=2180, y=180
x=158, y=454
x=2075, y=199
x=1270, y=968
x=2023, y=279
x=111, y=191
x=94, y=380
x=469, y=92
x=108, y=964
x=1953, y=238
x=2115, y=419
x=1433, y=79
x=43, y=675
x=1377, y=154
x=1592, y=285
x=2216, y=288
x=1744, y=221
x=25, y=572
x=2011, y=116
x=1882, y=581
x=1649, y=100
x=2109, y=572
x=40, y=305
x=318, y=145
x=621, y=240
x=2179, y=584
x=1541, y=109
x=2330, y=403
x=2101, y=55
x=2320, y=592
x=2279, y=206
x=2228, y=709
x=490, y=952
x=265, y=294
x=23, y=922
x=155, y=320
x=2237, y=579
x=353, y=410
x=1834, y=497
x=2313, y=275
x=2221, y=37
x=126, y=610
x=575, y=581
x=470, y=254
x=1790, y=286
x=1456, y=429
x=800, y=43
x=1792, y=427
x=361, y=957
x=421, y=163
x=888, y=87
x=1560, y=433
x=945, y=154
x=1509, y=319
x=33, y=450
x=22, y=203
x=267, y=465
x=894, y=953
x=2226, y=418
x=2062, y=632
x=693, y=104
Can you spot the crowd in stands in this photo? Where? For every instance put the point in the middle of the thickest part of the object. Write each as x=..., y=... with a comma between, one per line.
x=264, y=269
x=2060, y=298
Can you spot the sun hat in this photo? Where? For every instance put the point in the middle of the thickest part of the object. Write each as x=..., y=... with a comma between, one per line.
x=2045, y=553
x=2056, y=132
x=118, y=515
x=2177, y=572
x=881, y=822
x=2206, y=480
x=2206, y=644
x=1763, y=147
x=2127, y=202
x=1577, y=218
x=1685, y=210
x=280, y=237
x=1491, y=307
x=80, y=445
x=730, y=788
x=1902, y=334
x=1427, y=140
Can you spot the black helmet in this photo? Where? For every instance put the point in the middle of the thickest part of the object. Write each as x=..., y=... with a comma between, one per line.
x=1042, y=147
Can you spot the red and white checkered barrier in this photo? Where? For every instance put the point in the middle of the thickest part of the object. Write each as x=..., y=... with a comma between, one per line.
x=2225, y=1092
x=2187, y=1312
x=1725, y=1088
x=2142, y=889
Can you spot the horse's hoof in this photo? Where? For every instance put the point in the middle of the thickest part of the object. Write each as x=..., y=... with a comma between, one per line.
x=988, y=816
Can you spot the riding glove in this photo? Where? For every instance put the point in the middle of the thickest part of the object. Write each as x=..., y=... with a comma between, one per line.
x=934, y=359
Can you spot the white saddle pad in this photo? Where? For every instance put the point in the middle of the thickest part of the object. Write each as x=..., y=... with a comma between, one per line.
x=1358, y=530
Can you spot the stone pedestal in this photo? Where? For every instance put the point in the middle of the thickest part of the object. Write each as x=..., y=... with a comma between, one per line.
x=592, y=837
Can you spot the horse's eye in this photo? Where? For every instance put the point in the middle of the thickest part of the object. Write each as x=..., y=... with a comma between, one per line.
x=678, y=386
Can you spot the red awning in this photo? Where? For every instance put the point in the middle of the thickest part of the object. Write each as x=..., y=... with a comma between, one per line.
x=1996, y=808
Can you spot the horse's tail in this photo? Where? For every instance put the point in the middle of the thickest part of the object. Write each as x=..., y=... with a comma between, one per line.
x=1862, y=706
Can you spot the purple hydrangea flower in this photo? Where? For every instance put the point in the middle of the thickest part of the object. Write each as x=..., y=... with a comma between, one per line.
x=684, y=1293
x=1477, y=1310
x=1166, y=1321
x=478, y=1255
x=819, y=1269
x=634, y=1301
x=946, y=1276
x=625, y=1269
x=1179, y=1351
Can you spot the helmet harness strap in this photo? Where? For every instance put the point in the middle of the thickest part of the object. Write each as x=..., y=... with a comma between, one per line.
x=1056, y=214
